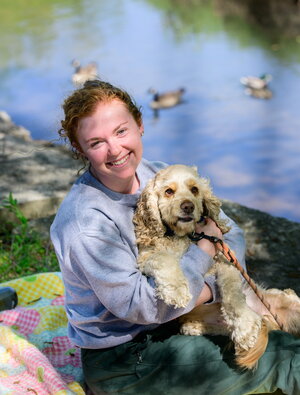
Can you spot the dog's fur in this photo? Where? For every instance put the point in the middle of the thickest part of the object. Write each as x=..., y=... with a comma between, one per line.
x=166, y=214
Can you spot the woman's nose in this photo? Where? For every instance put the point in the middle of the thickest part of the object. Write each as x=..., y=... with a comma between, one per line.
x=114, y=148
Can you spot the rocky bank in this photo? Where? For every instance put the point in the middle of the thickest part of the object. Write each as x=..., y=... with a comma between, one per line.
x=39, y=174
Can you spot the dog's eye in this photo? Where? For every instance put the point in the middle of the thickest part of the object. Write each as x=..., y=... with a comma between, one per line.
x=194, y=190
x=169, y=192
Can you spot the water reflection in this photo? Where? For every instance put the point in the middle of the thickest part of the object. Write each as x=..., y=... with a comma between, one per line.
x=270, y=24
x=247, y=146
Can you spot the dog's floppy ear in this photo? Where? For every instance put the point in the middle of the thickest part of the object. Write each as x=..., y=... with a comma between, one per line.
x=147, y=219
x=212, y=207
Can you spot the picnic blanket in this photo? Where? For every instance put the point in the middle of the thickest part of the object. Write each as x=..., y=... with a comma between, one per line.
x=36, y=355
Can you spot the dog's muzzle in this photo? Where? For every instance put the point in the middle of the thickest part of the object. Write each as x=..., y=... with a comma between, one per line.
x=185, y=219
x=187, y=207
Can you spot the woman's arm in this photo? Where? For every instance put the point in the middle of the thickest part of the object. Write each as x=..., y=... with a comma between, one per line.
x=234, y=238
x=102, y=269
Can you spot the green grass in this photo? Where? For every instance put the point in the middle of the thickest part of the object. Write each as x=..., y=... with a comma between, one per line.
x=23, y=250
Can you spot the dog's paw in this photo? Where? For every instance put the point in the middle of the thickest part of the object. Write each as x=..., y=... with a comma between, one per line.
x=244, y=328
x=192, y=328
x=175, y=295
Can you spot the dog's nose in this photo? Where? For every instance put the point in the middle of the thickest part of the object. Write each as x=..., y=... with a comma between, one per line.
x=187, y=207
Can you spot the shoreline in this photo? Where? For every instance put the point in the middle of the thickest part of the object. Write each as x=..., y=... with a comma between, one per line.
x=39, y=174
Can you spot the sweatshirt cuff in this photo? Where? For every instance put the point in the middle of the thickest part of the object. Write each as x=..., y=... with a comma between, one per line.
x=211, y=282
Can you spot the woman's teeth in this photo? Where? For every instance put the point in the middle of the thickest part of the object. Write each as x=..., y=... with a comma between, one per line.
x=120, y=162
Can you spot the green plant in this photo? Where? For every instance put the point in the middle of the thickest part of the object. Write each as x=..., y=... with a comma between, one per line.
x=23, y=250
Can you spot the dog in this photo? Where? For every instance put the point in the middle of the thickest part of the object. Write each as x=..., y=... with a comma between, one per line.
x=167, y=211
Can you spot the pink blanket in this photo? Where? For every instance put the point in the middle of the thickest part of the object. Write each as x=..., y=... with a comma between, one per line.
x=36, y=356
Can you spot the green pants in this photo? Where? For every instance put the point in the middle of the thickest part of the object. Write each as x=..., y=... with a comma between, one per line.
x=163, y=362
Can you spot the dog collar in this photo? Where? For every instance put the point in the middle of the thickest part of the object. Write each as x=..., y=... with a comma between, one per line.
x=199, y=236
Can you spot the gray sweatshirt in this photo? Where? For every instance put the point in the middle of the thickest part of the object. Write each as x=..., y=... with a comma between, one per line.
x=108, y=300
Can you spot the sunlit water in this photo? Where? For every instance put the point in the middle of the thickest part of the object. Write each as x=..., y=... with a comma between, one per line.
x=248, y=147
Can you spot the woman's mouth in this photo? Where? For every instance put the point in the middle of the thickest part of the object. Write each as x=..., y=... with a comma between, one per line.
x=119, y=162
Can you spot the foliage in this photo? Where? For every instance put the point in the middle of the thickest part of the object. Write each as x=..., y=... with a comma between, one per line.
x=23, y=250
x=248, y=23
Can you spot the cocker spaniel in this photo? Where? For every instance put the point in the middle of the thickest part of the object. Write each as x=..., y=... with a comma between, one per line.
x=167, y=211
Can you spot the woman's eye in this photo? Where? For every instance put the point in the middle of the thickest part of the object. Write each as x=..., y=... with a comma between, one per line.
x=95, y=144
x=169, y=192
x=194, y=190
x=121, y=131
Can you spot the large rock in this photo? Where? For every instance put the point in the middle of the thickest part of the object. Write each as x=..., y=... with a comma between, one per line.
x=39, y=174
x=273, y=248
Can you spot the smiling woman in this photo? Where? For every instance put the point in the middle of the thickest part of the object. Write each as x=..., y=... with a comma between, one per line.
x=111, y=141
x=107, y=132
x=114, y=313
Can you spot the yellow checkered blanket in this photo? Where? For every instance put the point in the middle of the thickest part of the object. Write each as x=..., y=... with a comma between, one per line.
x=36, y=355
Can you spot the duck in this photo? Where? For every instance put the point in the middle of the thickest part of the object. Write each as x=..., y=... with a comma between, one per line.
x=84, y=73
x=256, y=82
x=167, y=99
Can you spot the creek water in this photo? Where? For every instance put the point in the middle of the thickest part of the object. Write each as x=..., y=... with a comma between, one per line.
x=248, y=147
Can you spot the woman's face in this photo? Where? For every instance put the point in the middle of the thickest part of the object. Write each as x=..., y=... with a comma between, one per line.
x=111, y=140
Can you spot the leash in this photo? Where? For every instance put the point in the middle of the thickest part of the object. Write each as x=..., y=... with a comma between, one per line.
x=224, y=249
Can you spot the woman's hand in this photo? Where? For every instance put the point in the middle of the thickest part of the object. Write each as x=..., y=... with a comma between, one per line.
x=205, y=296
x=209, y=227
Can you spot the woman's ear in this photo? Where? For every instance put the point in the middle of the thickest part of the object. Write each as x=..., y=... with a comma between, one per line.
x=79, y=151
x=77, y=147
x=79, y=154
x=141, y=128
